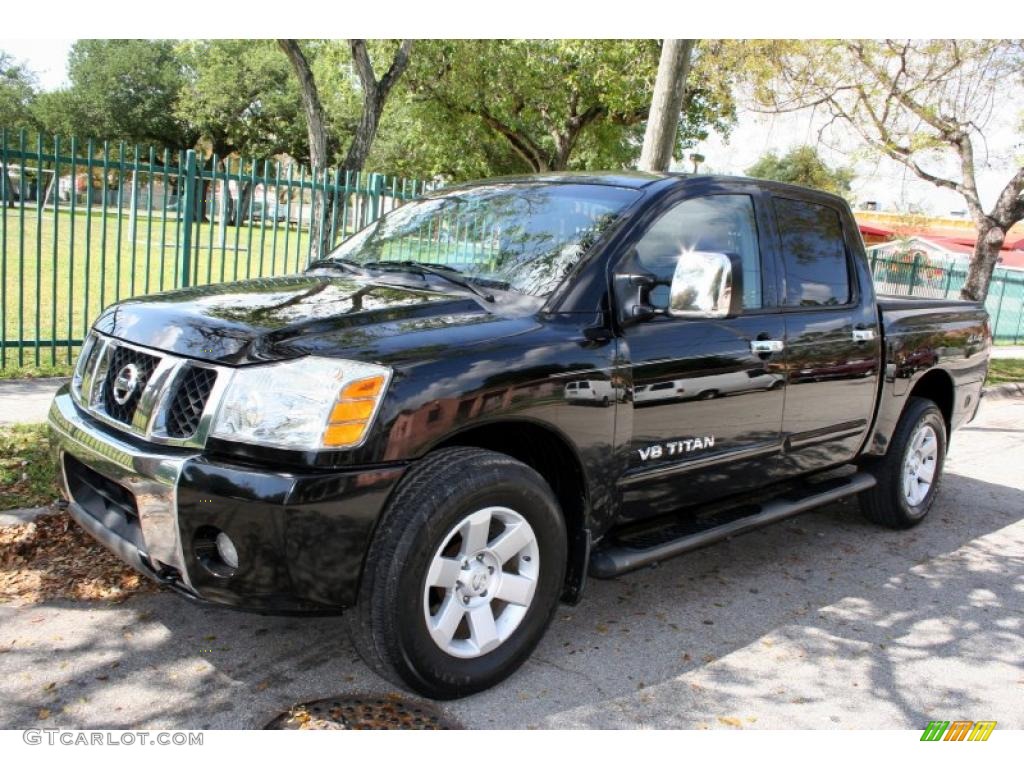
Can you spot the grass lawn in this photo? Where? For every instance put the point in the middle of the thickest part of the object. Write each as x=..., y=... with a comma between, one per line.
x=27, y=471
x=44, y=288
x=1004, y=371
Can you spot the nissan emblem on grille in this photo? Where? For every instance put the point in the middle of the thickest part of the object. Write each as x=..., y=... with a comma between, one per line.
x=126, y=379
x=125, y=384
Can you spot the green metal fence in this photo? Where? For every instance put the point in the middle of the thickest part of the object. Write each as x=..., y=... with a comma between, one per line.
x=898, y=272
x=84, y=224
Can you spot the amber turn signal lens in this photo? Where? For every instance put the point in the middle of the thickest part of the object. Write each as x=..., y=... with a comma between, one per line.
x=363, y=388
x=344, y=434
x=352, y=410
x=350, y=416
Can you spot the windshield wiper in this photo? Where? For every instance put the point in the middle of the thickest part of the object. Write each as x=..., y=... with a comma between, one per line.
x=438, y=270
x=343, y=264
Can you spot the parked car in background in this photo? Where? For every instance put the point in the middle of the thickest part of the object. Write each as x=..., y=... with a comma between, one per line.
x=590, y=391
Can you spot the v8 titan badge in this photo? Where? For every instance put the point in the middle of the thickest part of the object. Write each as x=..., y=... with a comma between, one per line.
x=676, y=447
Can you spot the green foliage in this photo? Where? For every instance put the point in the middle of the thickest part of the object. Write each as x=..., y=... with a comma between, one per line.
x=464, y=108
x=1004, y=371
x=17, y=90
x=27, y=469
x=120, y=89
x=803, y=166
x=239, y=95
x=520, y=105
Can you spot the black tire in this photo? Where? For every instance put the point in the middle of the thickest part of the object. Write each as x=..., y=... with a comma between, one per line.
x=605, y=402
x=388, y=626
x=887, y=504
x=708, y=394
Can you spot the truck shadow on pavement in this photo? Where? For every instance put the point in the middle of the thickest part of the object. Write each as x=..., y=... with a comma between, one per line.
x=822, y=621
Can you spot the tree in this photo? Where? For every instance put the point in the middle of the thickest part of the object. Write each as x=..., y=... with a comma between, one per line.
x=666, y=105
x=239, y=98
x=560, y=104
x=925, y=104
x=17, y=92
x=804, y=166
x=238, y=94
x=121, y=89
x=374, y=96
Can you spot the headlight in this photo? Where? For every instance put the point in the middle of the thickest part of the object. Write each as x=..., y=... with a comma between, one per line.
x=304, y=404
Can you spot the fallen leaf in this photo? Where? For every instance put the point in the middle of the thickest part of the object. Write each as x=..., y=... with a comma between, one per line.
x=44, y=714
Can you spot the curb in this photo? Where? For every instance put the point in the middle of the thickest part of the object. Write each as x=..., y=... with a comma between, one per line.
x=1003, y=391
x=37, y=380
x=22, y=516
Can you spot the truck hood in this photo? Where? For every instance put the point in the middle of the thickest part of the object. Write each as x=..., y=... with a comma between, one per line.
x=279, y=318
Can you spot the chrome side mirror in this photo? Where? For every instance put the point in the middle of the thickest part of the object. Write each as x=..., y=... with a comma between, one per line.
x=706, y=285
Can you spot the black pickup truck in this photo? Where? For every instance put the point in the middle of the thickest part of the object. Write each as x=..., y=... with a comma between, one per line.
x=444, y=426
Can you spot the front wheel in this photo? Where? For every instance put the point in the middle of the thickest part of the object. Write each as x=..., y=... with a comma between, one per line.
x=908, y=475
x=463, y=576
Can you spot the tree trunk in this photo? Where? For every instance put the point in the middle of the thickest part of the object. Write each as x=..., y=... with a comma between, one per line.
x=666, y=104
x=243, y=208
x=375, y=95
x=316, y=129
x=984, y=260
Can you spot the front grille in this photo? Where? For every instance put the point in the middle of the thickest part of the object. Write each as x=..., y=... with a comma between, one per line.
x=119, y=360
x=189, y=401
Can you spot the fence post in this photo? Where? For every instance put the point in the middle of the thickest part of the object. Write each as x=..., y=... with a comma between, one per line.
x=999, y=310
x=188, y=200
x=376, y=185
x=949, y=280
x=913, y=274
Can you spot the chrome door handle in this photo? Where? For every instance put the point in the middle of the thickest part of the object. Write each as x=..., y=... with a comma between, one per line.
x=765, y=346
x=863, y=334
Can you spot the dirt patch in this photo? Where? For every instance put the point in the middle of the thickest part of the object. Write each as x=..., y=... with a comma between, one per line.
x=53, y=558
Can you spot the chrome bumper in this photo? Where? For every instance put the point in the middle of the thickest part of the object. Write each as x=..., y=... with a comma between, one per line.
x=151, y=476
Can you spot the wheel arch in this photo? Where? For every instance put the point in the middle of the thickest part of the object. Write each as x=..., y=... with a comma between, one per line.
x=937, y=385
x=553, y=457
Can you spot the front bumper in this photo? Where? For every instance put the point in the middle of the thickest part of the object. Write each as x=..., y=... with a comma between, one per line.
x=301, y=538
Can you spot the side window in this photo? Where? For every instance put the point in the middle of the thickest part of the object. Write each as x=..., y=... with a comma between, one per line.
x=716, y=223
x=814, y=254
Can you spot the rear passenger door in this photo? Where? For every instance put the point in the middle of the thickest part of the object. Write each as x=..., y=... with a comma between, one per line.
x=832, y=347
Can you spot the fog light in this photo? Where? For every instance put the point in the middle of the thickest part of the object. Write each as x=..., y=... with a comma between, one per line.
x=226, y=550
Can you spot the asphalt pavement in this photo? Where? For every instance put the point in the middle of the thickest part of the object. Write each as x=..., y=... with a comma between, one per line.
x=824, y=621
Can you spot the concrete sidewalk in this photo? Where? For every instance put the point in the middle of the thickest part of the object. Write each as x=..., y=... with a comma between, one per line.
x=26, y=401
x=1004, y=353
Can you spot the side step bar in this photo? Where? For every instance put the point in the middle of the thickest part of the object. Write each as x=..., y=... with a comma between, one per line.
x=616, y=559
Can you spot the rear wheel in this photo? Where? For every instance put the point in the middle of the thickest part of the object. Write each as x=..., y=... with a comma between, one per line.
x=463, y=576
x=908, y=475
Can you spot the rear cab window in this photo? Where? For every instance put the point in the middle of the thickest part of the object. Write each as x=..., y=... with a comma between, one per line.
x=816, y=264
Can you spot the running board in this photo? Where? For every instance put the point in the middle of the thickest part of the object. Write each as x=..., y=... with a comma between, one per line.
x=616, y=559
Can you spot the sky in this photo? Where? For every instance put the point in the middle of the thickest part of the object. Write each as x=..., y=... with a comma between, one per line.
x=888, y=183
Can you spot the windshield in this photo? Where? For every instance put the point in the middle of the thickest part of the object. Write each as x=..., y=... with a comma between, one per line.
x=513, y=237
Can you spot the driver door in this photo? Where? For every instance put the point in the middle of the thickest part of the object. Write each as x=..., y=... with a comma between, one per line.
x=706, y=407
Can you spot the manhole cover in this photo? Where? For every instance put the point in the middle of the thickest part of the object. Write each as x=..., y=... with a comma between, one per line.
x=362, y=713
